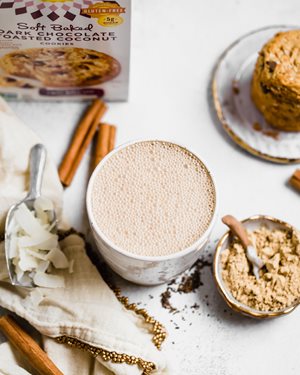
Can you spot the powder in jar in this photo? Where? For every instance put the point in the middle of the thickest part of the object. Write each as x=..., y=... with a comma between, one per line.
x=279, y=284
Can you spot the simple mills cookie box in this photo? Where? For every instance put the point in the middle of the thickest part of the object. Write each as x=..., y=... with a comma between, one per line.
x=74, y=50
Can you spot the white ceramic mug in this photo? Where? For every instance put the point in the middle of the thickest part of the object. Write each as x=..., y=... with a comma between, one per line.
x=144, y=270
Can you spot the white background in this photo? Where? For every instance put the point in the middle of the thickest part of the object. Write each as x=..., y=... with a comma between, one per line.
x=175, y=45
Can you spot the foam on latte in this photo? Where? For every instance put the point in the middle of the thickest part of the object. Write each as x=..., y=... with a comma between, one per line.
x=153, y=198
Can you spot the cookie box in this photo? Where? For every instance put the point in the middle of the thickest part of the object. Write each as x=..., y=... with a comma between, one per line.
x=64, y=50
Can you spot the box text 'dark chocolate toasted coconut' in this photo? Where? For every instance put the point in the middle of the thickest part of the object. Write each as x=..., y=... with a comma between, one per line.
x=71, y=50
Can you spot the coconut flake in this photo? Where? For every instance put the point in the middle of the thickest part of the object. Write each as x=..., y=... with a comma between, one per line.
x=33, y=249
x=26, y=280
x=48, y=281
x=43, y=204
x=42, y=216
x=13, y=247
x=19, y=273
x=39, y=242
x=50, y=227
x=42, y=255
x=27, y=262
x=43, y=266
x=58, y=258
x=27, y=221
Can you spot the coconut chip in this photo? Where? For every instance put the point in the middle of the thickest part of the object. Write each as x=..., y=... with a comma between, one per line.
x=33, y=248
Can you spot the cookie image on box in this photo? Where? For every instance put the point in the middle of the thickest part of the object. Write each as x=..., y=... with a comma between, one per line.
x=18, y=63
x=7, y=81
x=276, y=81
x=61, y=67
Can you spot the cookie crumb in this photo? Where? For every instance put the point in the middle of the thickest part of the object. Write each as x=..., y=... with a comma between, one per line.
x=271, y=133
x=257, y=127
x=235, y=87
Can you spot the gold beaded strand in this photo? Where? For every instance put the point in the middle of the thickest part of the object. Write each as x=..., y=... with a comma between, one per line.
x=158, y=330
x=159, y=335
x=106, y=355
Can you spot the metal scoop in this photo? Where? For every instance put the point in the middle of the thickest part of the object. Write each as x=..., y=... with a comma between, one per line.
x=37, y=164
x=238, y=230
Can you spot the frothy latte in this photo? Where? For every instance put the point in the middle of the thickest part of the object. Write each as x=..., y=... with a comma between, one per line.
x=153, y=198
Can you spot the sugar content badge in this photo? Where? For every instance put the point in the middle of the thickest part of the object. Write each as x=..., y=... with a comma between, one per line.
x=107, y=13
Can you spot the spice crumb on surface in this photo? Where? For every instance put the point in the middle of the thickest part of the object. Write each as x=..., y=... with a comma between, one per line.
x=186, y=283
x=165, y=301
x=279, y=284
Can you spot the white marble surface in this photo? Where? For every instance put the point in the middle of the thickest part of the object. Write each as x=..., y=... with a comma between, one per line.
x=175, y=45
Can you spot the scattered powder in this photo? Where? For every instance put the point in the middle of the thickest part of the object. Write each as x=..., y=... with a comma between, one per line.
x=189, y=282
x=165, y=300
x=153, y=198
x=279, y=283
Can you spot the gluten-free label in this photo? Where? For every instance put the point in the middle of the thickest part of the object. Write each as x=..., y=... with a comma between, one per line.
x=107, y=14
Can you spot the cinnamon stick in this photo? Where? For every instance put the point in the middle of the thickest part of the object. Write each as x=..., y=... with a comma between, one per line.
x=112, y=138
x=80, y=141
x=295, y=180
x=37, y=358
x=105, y=142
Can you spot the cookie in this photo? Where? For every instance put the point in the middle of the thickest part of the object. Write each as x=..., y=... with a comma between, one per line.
x=62, y=67
x=19, y=63
x=275, y=87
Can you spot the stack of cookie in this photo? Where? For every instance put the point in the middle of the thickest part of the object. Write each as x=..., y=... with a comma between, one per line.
x=276, y=81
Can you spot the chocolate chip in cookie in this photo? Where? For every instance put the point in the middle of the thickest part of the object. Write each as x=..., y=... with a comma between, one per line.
x=272, y=65
x=94, y=77
x=264, y=88
x=84, y=67
x=39, y=63
x=10, y=79
x=27, y=86
x=92, y=57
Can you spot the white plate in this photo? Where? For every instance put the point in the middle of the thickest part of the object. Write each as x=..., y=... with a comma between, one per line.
x=234, y=106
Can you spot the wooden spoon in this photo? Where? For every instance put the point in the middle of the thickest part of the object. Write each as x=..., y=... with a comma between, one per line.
x=238, y=230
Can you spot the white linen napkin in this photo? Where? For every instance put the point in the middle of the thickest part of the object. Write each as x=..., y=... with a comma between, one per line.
x=16, y=141
x=10, y=362
x=86, y=312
